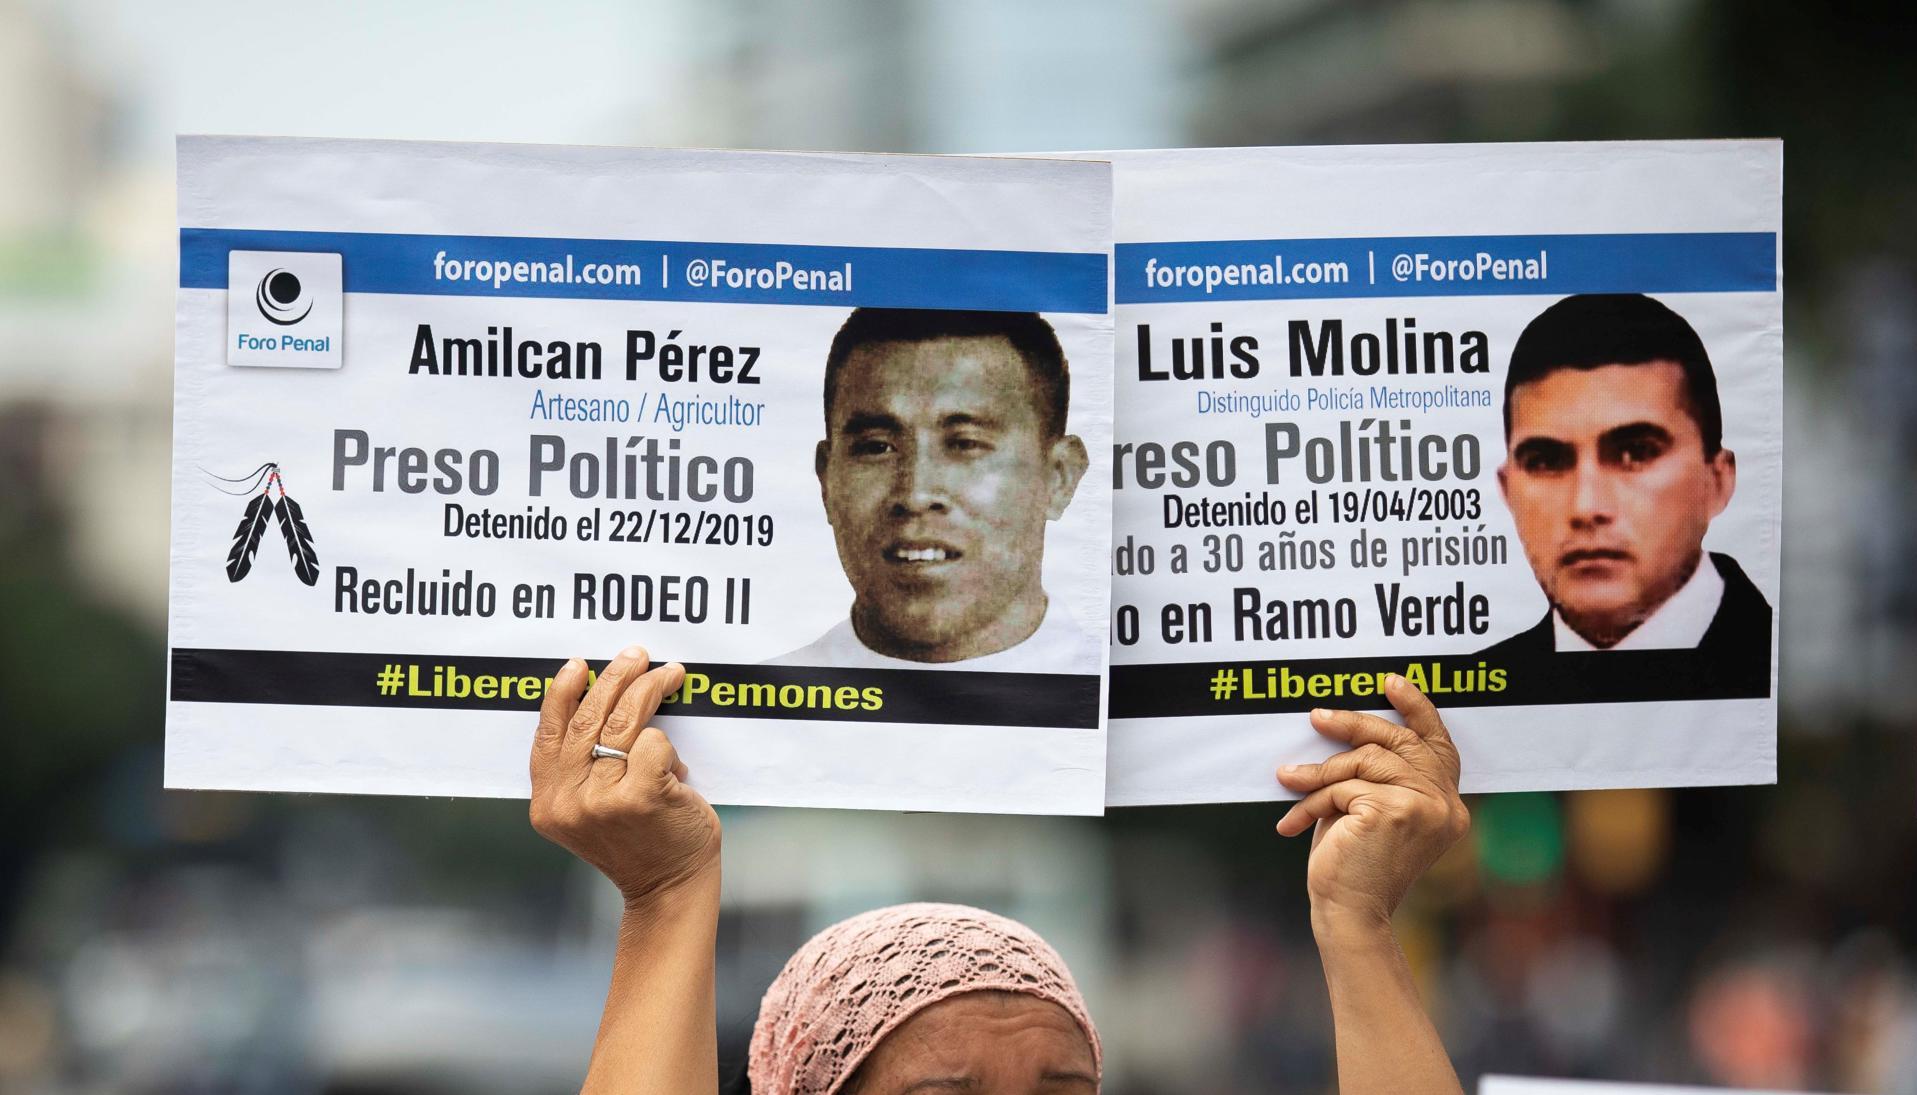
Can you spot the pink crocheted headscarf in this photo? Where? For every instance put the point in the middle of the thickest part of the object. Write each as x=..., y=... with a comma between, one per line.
x=858, y=980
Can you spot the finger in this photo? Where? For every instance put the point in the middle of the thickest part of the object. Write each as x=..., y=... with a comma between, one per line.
x=653, y=756
x=582, y=730
x=1357, y=728
x=1420, y=714
x=1423, y=719
x=1296, y=820
x=637, y=705
x=555, y=711
x=1368, y=762
x=1329, y=802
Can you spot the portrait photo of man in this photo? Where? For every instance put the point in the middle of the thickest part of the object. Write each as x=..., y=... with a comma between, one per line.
x=944, y=460
x=1614, y=468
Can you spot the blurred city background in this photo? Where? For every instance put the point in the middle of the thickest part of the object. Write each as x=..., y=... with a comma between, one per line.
x=164, y=942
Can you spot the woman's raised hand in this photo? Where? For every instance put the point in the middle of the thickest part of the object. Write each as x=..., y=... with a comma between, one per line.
x=1384, y=810
x=634, y=819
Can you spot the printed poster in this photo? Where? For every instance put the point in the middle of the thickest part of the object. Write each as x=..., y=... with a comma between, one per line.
x=1505, y=419
x=833, y=430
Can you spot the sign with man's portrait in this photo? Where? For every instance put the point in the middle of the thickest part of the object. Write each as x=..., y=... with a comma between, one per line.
x=1504, y=419
x=832, y=430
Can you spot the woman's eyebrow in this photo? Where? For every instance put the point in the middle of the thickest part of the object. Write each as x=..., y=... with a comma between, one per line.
x=967, y=1083
x=943, y=1083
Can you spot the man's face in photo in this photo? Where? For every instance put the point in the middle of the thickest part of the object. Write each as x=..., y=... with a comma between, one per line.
x=1611, y=490
x=938, y=479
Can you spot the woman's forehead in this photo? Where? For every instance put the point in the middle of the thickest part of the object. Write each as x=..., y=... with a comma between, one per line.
x=993, y=1034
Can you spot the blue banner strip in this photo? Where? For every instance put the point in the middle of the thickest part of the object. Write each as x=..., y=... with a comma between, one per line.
x=1446, y=266
x=711, y=273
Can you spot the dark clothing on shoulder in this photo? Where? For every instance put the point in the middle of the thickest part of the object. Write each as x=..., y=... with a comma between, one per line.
x=1740, y=630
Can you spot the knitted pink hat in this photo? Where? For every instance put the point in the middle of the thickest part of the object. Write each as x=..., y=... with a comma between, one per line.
x=858, y=980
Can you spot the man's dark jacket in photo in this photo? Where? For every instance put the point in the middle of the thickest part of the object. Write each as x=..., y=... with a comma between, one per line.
x=1739, y=632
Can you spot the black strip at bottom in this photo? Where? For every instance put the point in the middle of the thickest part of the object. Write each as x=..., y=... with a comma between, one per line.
x=712, y=690
x=1452, y=680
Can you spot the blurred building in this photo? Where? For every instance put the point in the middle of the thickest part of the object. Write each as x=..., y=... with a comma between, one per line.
x=85, y=338
x=942, y=75
x=1324, y=72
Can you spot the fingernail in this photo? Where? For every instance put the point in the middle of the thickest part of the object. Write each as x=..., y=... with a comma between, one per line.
x=1393, y=680
x=1287, y=769
x=633, y=652
x=1320, y=713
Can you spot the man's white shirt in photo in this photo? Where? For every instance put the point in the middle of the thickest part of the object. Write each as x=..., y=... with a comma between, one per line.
x=1678, y=624
x=1058, y=646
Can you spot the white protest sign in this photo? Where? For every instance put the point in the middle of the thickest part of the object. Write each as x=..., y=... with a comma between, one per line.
x=1319, y=352
x=833, y=430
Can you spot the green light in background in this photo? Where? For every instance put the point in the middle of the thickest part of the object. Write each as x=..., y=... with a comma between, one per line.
x=1520, y=837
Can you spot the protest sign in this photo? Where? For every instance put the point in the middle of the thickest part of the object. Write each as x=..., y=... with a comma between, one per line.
x=833, y=430
x=1504, y=419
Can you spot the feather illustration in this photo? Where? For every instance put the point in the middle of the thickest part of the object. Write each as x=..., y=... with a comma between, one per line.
x=299, y=540
x=246, y=538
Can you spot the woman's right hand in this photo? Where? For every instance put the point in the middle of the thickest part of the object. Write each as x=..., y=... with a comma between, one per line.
x=1380, y=813
x=634, y=819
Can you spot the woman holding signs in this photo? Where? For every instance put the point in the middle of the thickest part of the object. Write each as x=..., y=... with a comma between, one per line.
x=926, y=999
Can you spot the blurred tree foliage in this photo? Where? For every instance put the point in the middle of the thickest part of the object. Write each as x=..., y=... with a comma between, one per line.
x=1832, y=80
x=80, y=681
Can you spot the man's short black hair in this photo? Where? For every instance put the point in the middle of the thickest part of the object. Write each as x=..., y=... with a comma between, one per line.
x=1591, y=330
x=1033, y=338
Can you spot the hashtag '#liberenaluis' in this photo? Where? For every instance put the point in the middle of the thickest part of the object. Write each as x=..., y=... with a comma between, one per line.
x=1224, y=684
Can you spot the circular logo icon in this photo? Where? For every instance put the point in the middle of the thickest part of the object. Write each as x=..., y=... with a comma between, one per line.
x=279, y=299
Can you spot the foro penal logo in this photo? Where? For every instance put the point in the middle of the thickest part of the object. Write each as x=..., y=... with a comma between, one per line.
x=285, y=309
x=279, y=298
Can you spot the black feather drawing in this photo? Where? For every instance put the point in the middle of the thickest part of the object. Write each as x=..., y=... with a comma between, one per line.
x=299, y=540
x=246, y=538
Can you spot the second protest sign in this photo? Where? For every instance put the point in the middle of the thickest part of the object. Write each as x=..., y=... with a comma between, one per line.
x=1505, y=419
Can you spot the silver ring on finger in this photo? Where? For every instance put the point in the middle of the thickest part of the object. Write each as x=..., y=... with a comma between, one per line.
x=607, y=752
